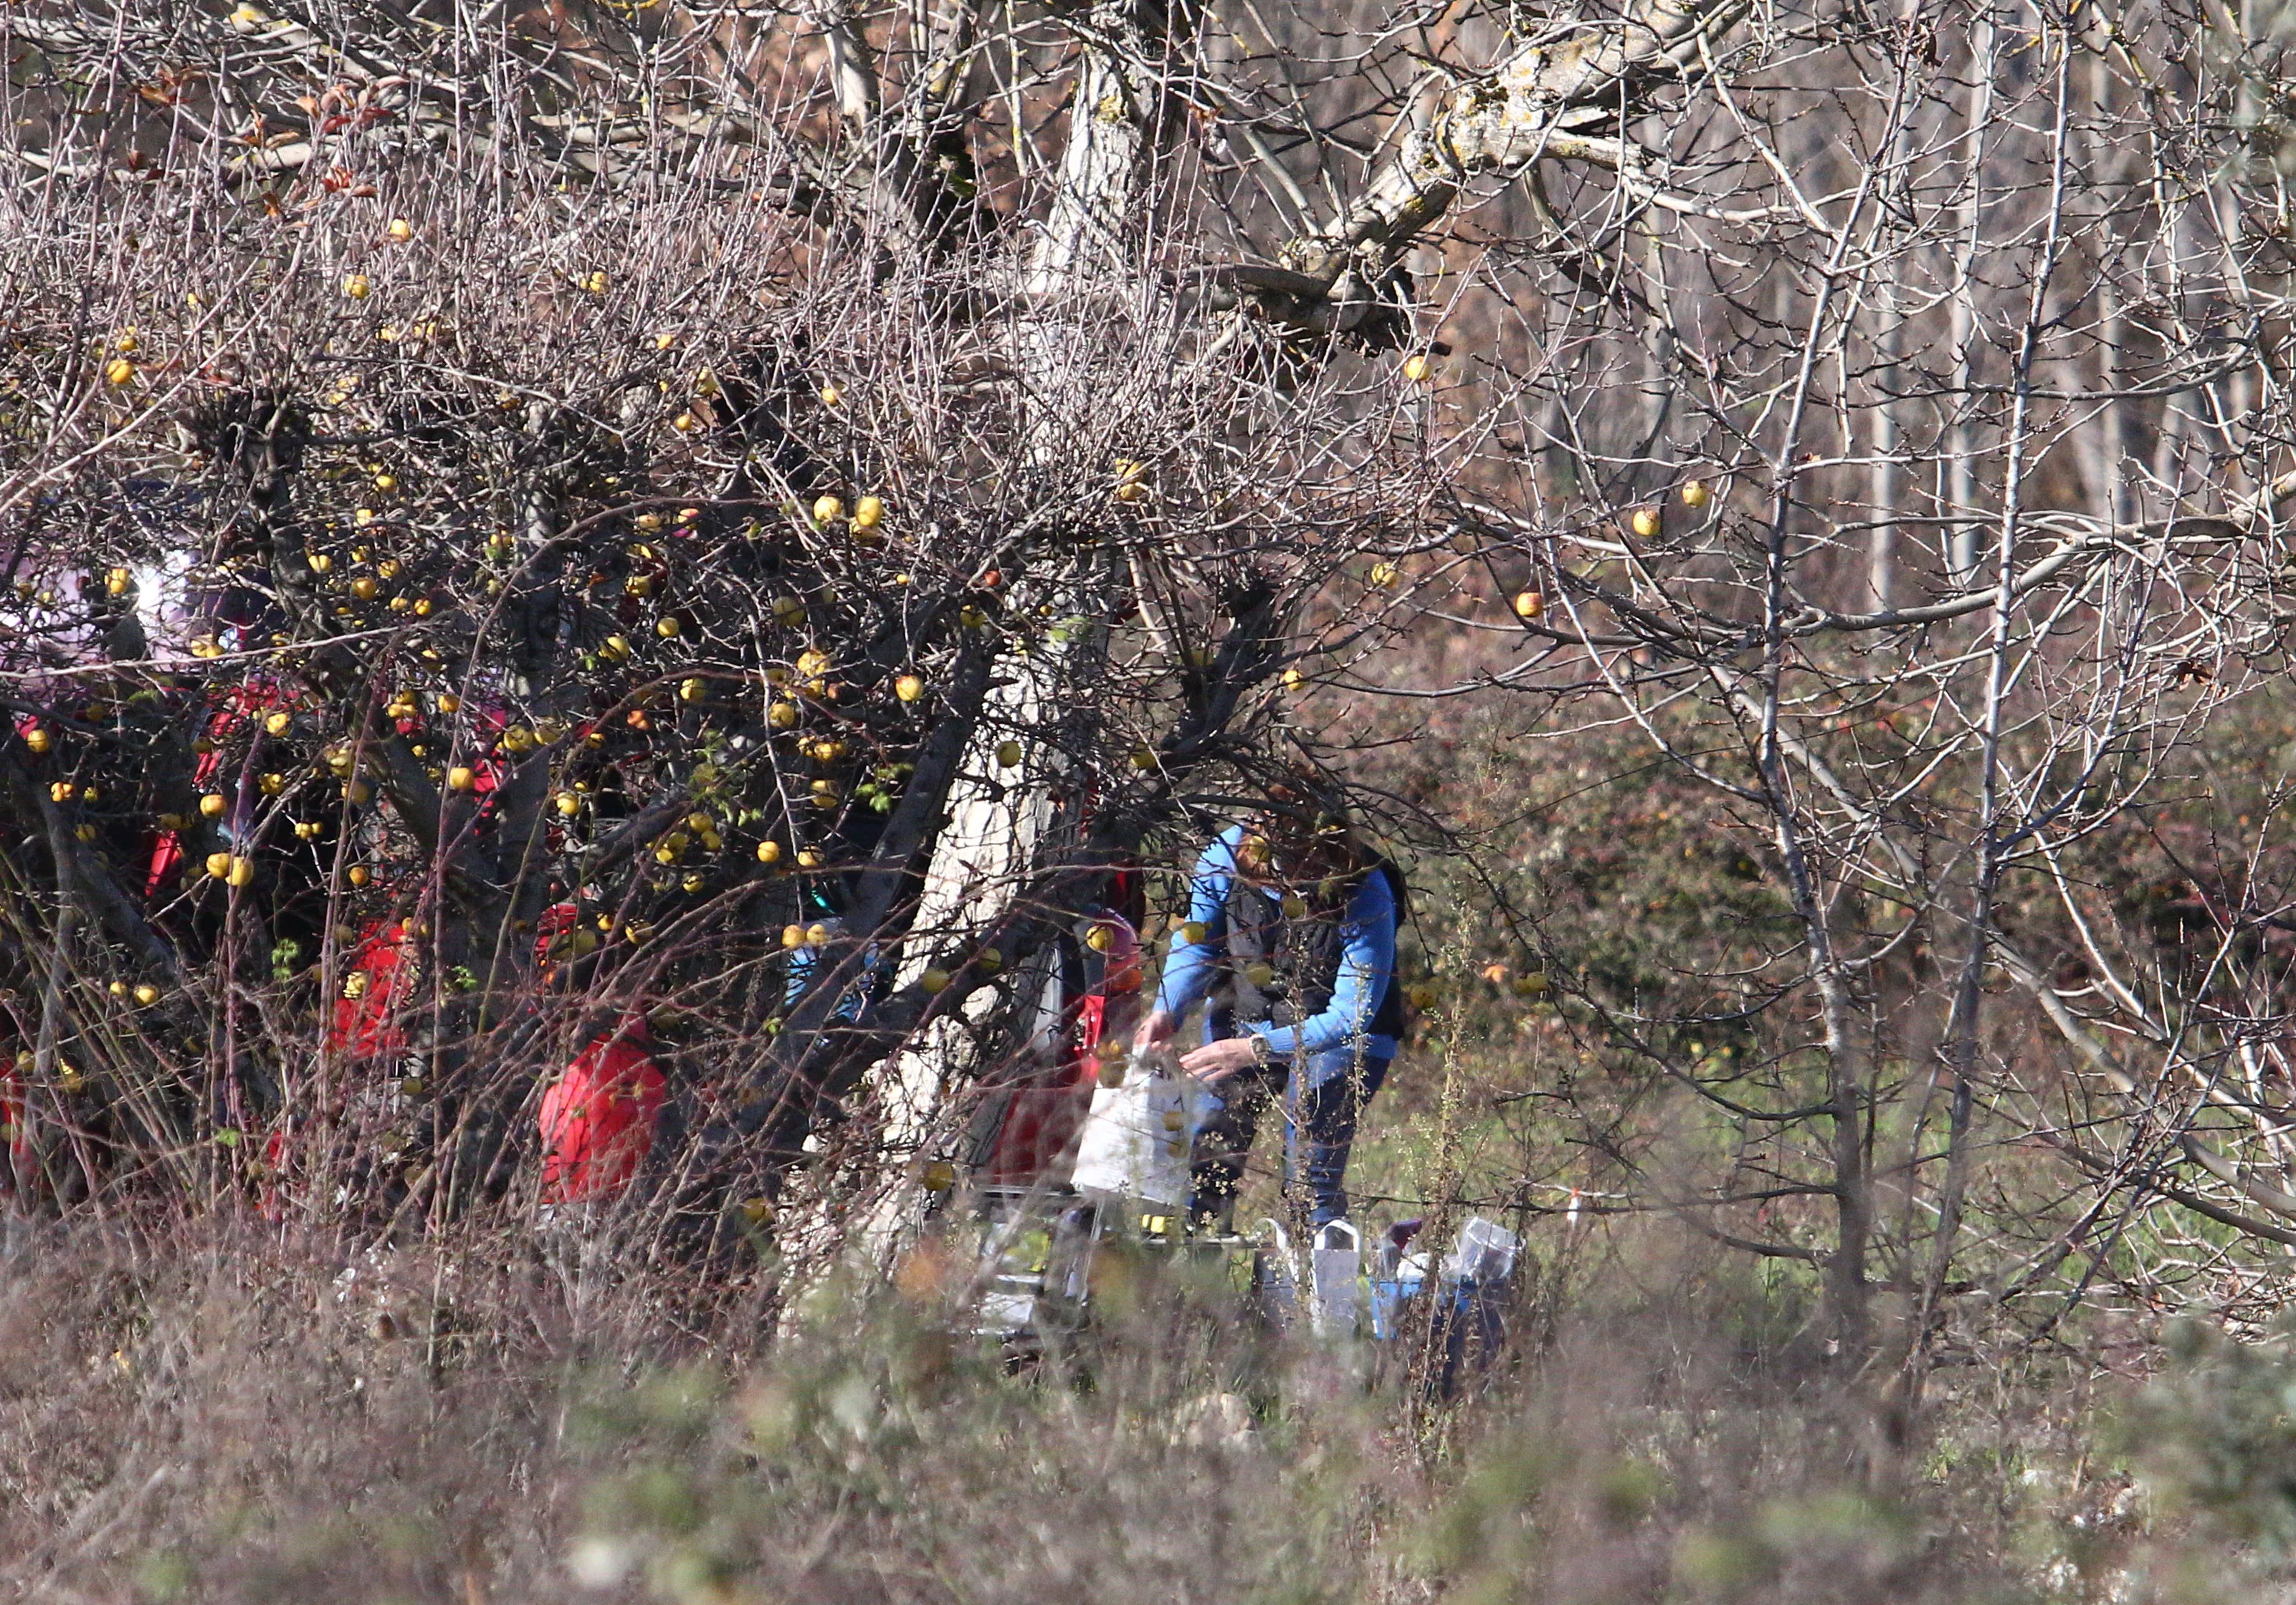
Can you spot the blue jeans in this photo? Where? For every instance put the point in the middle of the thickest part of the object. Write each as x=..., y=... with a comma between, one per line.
x=1319, y=1129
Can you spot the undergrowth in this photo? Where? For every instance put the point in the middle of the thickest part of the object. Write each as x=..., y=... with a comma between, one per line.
x=215, y=1416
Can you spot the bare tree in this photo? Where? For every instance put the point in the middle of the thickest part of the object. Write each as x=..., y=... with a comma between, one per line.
x=1875, y=410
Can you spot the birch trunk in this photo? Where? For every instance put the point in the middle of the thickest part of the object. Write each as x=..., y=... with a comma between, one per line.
x=1001, y=822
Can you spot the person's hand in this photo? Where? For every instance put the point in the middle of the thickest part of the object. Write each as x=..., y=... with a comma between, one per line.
x=1218, y=1061
x=1154, y=1031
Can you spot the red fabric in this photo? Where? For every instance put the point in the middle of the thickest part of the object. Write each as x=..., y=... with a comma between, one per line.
x=380, y=978
x=15, y=1115
x=1037, y=1141
x=271, y=1199
x=166, y=858
x=598, y=1119
x=228, y=711
x=560, y=919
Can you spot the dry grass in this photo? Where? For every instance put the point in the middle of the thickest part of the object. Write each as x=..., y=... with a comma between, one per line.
x=205, y=1416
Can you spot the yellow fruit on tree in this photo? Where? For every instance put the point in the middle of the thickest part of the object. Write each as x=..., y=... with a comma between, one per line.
x=118, y=371
x=769, y=852
x=1295, y=907
x=868, y=513
x=1414, y=367
x=809, y=859
x=212, y=805
x=934, y=981
x=827, y=509
x=1647, y=523
x=278, y=723
x=242, y=871
x=569, y=803
x=219, y=865
x=364, y=588
x=147, y=994
x=817, y=935
x=1695, y=493
x=792, y=936
x=1259, y=972
x=1193, y=932
x=783, y=716
x=1142, y=758
x=1008, y=754
x=357, y=286
x=1529, y=983
x=668, y=627
x=939, y=1175
x=597, y=282
x=1101, y=938
x=38, y=739
x=1528, y=604
x=831, y=395
x=1293, y=679
x=788, y=610
x=1384, y=574
x=399, y=231
x=460, y=778
x=691, y=689
x=116, y=582
x=908, y=688
x=990, y=961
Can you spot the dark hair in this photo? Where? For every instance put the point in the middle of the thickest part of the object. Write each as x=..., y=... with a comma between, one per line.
x=1306, y=817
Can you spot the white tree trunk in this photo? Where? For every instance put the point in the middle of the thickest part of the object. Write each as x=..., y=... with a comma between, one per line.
x=1000, y=819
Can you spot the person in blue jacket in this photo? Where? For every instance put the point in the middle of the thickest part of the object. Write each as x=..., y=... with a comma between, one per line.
x=1290, y=945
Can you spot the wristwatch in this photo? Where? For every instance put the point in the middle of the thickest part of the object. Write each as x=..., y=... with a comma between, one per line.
x=1260, y=1051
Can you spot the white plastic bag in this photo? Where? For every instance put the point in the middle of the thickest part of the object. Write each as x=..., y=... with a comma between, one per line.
x=1484, y=1253
x=1136, y=1139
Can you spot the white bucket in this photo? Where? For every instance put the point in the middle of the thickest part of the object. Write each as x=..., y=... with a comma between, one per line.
x=1335, y=1265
